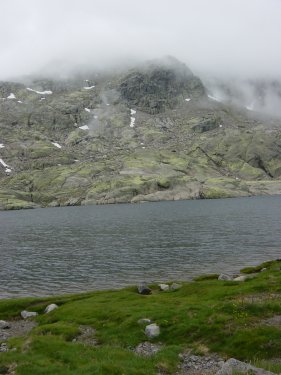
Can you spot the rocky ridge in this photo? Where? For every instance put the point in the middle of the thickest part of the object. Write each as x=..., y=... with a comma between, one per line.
x=148, y=134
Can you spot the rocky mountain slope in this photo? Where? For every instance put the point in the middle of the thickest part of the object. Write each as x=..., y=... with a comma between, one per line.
x=151, y=133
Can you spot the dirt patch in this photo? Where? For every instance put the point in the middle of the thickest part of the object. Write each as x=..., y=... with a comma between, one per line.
x=273, y=321
x=259, y=298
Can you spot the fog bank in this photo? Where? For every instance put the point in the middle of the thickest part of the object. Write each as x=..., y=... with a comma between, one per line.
x=218, y=37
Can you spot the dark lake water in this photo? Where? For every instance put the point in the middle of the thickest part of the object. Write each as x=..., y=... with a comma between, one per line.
x=64, y=250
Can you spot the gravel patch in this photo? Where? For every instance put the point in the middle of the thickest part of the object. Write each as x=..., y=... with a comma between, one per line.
x=198, y=365
x=147, y=349
x=16, y=328
x=87, y=336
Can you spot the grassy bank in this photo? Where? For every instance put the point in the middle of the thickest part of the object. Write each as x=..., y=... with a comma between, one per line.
x=230, y=318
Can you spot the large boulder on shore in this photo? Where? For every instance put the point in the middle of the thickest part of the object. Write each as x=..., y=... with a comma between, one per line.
x=233, y=366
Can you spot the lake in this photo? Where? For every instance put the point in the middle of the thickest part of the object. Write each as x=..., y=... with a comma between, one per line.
x=73, y=249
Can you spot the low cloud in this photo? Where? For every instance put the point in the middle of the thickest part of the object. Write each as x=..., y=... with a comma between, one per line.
x=220, y=38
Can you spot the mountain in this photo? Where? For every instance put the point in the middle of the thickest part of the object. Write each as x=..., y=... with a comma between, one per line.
x=148, y=134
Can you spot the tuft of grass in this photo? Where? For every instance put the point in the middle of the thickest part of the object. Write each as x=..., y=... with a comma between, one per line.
x=207, y=277
x=268, y=265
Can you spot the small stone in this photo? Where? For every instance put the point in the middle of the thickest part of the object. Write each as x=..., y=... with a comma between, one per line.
x=4, y=347
x=28, y=314
x=225, y=277
x=50, y=308
x=4, y=324
x=152, y=330
x=144, y=321
x=263, y=269
x=164, y=287
x=175, y=286
x=144, y=289
x=240, y=278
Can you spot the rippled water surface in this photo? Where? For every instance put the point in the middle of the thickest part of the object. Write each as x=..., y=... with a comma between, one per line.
x=71, y=249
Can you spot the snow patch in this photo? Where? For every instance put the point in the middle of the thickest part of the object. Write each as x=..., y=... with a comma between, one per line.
x=132, y=124
x=95, y=117
x=89, y=87
x=56, y=144
x=220, y=125
x=8, y=170
x=11, y=96
x=84, y=127
x=187, y=100
x=3, y=163
x=1, y=145
x=19, y=101
x=215, y=98
x=42, y=99
x=47, y=92
x=133, y=112
x=87, y=110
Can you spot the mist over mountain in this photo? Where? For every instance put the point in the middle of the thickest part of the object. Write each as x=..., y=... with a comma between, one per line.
x=226, y=39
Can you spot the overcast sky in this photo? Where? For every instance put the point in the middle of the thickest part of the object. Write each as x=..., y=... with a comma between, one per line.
x=214, y=36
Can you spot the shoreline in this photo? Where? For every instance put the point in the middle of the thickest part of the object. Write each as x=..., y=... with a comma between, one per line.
x=210, y=324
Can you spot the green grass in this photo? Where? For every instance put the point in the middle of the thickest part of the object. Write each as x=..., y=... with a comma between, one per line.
x=206, y=315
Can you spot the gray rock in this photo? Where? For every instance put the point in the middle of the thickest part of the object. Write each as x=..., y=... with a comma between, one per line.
x=233, y=366
x=144, y=321
x=164, y=287
x=225, y=277
x=263, y=269
x=152, y=330
x=4, y=347
x=175, y=286
x=50, y=308
x=144, y=289
x=240, y=278
x=28, y=314
x=4, y=324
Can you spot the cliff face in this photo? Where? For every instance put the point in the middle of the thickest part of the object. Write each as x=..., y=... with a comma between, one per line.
x=151, y=133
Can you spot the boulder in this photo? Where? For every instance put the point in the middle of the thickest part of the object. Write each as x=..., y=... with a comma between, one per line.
x=233, y=366
x=28, y=314
x=164, y=287
x=144, y=289
x=152, y=330
x=175, y=286
x=225, y=277
x=240, y=278
x=4, y=324
x=50, y=308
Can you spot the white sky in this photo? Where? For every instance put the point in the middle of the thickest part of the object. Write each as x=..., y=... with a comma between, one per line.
x=212, y=36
